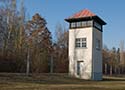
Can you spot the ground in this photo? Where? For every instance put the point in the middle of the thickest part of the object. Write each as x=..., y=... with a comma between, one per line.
x=57, y=82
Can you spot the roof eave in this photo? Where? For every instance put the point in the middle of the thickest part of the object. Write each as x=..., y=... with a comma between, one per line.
x=77, y=19
x=99, y=20
x=86, y=18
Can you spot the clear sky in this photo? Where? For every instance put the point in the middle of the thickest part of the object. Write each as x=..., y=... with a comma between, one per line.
x=111, y=11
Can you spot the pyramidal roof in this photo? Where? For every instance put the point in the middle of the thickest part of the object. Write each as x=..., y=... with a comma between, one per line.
x=82, y=14
x=85, y=15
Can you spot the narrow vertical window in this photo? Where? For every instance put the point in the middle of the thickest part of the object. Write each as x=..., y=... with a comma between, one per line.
x=98, y=44
x=83, y=23
x=73, y=25
x=89, y=23
x=78, y=24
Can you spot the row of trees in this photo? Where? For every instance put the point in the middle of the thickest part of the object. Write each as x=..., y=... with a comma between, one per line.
x=26, y=45
x=114, y=60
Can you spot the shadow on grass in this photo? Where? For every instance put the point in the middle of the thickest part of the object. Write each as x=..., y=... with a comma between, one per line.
x=113, y=79
x=41, y=79
x=50, y=79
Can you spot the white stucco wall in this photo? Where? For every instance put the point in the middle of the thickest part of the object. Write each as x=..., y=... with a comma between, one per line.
x=80, y=54
x=90, y=57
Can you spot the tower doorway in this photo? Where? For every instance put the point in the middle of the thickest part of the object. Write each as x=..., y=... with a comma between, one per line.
x=79, y=67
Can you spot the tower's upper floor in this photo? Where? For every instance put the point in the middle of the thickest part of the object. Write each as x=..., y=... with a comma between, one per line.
x=85, y=18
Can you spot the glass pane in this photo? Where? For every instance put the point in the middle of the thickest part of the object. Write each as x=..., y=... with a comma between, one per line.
x=77, y=44
x=83, y=44
x=89, y=23
x=73, y=25
x=78, y=40
x=83, y=23
x=78, y=24
x=83, y=39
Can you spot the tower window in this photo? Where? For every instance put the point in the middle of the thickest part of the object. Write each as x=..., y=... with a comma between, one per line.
x=73, y=25
x=78, y=24
x=81, y=24
x=86, y=23
x=80, y=42
x=97, y=25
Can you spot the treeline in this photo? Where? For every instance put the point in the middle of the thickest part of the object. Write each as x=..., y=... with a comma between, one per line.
x=27, y=45
x=114, y=60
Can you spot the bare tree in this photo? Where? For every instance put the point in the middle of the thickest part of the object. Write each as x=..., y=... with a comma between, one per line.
x=61, y=51
x=13, y=32
x=122, y=58
x=106, y=58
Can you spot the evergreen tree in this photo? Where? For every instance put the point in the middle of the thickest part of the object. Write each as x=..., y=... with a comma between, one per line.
x=39, y=43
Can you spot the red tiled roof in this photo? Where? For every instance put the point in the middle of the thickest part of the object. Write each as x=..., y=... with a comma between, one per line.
x=85, y=15
x=82, y=14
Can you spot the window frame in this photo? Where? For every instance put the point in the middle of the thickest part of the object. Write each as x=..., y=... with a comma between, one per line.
x=81, y=42
x=73, y=25
x=97, y=25
x=81, y=24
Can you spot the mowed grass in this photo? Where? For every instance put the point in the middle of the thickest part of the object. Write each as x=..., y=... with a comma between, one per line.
x=57, y=82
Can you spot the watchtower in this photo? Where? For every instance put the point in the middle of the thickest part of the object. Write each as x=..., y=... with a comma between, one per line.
x=85, y=45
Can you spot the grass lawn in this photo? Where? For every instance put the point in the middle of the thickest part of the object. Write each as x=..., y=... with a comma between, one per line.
x=57, y=82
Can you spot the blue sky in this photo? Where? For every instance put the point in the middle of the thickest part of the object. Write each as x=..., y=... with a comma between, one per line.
x=111, y=11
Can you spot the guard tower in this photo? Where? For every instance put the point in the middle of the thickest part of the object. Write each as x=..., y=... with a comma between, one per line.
x=85, y=45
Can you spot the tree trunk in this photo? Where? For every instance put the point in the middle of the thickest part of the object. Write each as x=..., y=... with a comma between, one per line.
x=111, y=70
x=28, y=63
x=118, y=70
x=115, y=70
x=105, y=68
x=122, y=71
x=51, y=65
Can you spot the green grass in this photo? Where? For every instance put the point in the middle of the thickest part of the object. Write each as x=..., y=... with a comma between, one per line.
x=57, y=82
